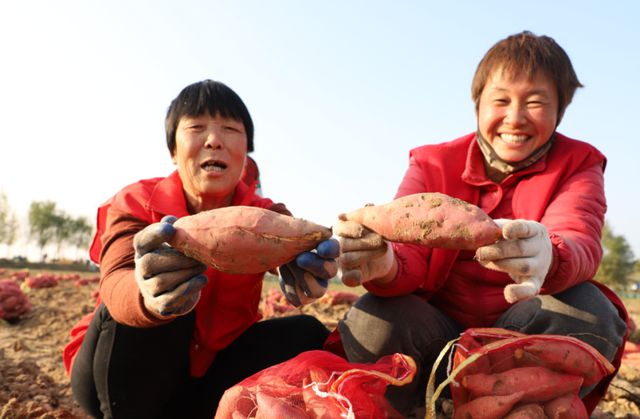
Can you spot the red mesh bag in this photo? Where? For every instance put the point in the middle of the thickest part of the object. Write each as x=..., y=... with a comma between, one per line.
x=500, y=373
x=318, y=384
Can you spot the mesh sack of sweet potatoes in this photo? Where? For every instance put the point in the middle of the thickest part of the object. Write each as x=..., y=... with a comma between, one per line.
x=318, y=384
x=496, y=373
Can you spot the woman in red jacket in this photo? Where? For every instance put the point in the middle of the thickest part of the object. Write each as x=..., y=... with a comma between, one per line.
x=170, y=335
x=545, y=190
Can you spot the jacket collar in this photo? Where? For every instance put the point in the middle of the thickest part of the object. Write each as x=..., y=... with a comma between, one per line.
x=168, y=197
x=474, y=171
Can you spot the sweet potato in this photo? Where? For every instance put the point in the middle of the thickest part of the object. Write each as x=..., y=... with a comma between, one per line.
x=527, y=411
x=487, y=407
x=569, y=406
x=563, y=356
x=538, y=384
x=429, y=219
x=245, y=240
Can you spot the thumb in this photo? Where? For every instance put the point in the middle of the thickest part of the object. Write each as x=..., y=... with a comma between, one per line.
x=522, y=291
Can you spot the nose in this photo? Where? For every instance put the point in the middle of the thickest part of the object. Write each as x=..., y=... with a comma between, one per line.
x=214, y=138
x=515, y=114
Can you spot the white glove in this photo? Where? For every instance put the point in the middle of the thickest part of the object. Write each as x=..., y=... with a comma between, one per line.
x=169, y=281
x=364, y=256
x=525, y=254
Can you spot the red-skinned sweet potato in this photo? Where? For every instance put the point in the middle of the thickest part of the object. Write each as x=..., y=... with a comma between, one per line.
x=563, y=356
x=245, y=240
x=429, y=219
x=538, y=384
x=527, y=411
x=569, y=406
x=487, y=407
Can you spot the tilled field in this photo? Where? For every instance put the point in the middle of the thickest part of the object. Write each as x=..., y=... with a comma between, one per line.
x=33, y=383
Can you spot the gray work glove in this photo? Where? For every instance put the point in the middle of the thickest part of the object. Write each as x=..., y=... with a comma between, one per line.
x=365, y=256
x=169, y=281
x=306, y=278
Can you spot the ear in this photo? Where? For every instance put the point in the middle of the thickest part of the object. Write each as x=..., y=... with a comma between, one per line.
x=173, y=159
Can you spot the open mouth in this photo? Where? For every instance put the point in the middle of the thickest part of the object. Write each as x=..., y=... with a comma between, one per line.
x=514, y=138
x=214, y=166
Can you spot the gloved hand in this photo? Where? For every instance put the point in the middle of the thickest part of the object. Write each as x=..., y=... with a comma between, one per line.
x=169, y=281
x=306, y=278
x=525, y=254
x=365, y=255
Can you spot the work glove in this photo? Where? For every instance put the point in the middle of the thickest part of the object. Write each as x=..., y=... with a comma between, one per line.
x=169, y=281
x=525, y=254
x=306, y=278
x=365, y=255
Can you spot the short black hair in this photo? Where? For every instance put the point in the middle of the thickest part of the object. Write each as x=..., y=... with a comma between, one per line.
x=210, y=96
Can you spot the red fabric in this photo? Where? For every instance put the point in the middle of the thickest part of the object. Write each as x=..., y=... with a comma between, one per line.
x=228, y=304
x=251, y=173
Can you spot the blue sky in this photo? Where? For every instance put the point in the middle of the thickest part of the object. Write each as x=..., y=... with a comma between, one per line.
x=339, y=91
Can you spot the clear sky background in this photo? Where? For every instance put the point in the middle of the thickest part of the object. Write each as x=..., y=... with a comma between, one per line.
x=339, y=91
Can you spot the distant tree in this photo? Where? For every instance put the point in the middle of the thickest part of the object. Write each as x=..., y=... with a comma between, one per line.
x=8, y=222
x=81, y=232
x=618, y=262
x=44, y=222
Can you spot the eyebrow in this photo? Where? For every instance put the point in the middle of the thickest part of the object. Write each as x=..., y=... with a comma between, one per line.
x=532, y=92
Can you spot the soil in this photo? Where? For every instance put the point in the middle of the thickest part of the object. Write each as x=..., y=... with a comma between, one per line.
x=33, y=383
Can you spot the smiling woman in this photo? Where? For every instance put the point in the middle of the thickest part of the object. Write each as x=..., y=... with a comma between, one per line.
x=173, y=334
x=546, y=193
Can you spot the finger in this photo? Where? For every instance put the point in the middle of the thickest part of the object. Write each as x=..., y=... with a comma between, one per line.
x=166, y=260
x=520, y=229
x=357, y=258
x=288, y=288
x=169, y=219
x=350, y=229
x=311, y=262
x=152, y=237
x=517, y=292
x=313, y=287
x=368, y=242
x=505, y=249
x=183, y=298
x=515, y=267
x=329, y=249
x=352, y=277
x=167, y=282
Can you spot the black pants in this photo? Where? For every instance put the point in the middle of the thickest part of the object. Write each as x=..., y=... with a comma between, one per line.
x=127, y=372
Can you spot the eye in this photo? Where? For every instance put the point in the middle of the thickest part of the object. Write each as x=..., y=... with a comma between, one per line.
x=194, y=127
x=535, y=103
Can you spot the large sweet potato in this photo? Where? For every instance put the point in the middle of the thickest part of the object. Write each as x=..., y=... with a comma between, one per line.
x=487, y=407
x=245, y=240
x=429, y=219
x=538, y=384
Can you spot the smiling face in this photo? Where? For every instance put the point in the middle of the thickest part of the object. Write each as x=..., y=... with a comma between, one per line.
x=210, y=154
x=516, y=115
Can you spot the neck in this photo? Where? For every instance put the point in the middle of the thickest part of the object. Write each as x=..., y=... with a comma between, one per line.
x=196, y=204
x=498, y=169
